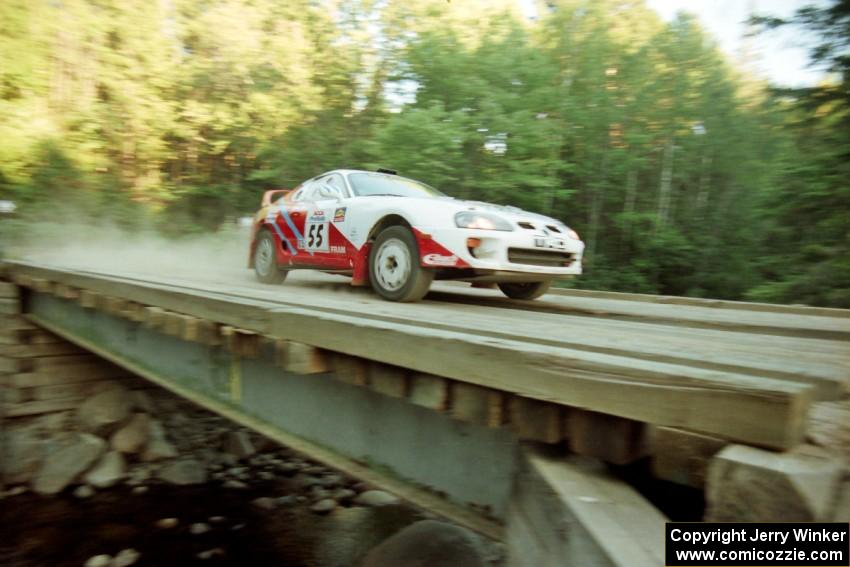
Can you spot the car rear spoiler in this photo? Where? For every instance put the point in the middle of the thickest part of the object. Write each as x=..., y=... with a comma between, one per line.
x=272, y=194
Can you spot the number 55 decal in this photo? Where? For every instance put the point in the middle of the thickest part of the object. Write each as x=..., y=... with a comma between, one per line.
x=316, y=236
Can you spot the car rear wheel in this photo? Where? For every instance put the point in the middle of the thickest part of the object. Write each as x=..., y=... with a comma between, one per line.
x=394, y=268
x=265, y=263
x=531, y=290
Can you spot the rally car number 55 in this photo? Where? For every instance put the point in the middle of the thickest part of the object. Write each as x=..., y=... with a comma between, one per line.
x=399, y=235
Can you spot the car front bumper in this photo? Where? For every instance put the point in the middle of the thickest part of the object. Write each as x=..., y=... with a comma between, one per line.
x=506, y=254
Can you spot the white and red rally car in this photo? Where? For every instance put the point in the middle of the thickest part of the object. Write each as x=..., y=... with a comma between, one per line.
x=399, y=235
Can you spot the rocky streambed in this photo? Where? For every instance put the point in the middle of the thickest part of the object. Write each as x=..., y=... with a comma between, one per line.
x=142, y=477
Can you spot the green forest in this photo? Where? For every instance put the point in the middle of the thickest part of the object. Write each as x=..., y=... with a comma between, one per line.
x=683, y=173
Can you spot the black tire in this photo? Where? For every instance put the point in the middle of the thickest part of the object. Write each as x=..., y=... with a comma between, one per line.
x=531, y=290
x=396, y=248
x=265, y=262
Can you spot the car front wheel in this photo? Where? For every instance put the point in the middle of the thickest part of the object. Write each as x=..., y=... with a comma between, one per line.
x=531, y=290
x=265, y=264
x=394, y=268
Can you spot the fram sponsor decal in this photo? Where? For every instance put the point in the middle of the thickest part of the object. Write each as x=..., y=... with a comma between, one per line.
x=337, y=249
x=440, y=259
x=339, y=214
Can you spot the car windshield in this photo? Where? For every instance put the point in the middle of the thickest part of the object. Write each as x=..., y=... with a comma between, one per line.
x=380, y=184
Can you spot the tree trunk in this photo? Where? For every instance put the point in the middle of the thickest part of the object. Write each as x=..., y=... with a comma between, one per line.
x=666, y=186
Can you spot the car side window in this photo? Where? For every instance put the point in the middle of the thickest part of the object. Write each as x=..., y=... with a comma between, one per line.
x=337, y=185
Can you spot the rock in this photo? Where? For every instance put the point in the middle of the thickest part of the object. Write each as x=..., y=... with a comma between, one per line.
x=99, y=561
x=23, y=452
x=142, y=401
x=158, y=447
x=125, y=558
x=211, y=553
x=746, y=484
x=265, y=475
x=132, y=437
x=323, y=506
x=183, y=472
x=62, y=466
x=108, y=471
x=331, y=480
x=288, y=500
x=288, y=469
x=16, y=490
x=428, y=543
x=343, y=494
x=305, y=481
x=361, y=487
x=238, y=444
x=265, y=503
x=199, y=528
x=217, y=519
x=375, y=499
x=167, y=523
x=234, y=484
x=139, y=490
x=105, y=409
x=84, y=491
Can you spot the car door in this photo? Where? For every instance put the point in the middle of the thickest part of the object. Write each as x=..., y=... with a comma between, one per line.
x=322, y=242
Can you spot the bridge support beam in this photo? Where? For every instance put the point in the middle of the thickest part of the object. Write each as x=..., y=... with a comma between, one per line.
x=549, y=509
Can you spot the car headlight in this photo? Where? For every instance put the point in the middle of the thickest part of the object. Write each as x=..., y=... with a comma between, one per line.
x=572, y=234
x=485, y=221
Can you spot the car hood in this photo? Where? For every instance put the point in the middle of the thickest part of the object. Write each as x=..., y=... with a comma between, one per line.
x=510, y=213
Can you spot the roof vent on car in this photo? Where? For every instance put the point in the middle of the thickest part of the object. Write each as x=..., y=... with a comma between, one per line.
x=526, y=225
x=387, y=171
x=553, y=228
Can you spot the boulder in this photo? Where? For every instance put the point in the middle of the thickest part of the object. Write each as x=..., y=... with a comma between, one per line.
x=110, y=469
x=133, y=436
x=375, y=499
x=238, y=444
x=158, y=446
x=62, y=466
x=183, y=471
x=105, y=410
x=23, y=453
x=428, y=543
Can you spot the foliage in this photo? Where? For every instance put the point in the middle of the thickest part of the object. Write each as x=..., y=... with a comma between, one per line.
x=683, y=174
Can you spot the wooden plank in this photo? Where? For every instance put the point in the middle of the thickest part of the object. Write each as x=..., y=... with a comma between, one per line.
x=78, y=389
x=8, y=290
x=535, y=420
x=241, y=342
x=114, y=305
x=68, y=375
x=88, y=298
x=42, y=285
x=13, y=395
x=16, y=322
x=154, y=317
x=429, y=391
x=475, y=404
x=12, y=365
x=39, y=350
x=65, y=291
x=48, y=362
x=10, y=306
x=682, y=456
x=172, y=324
x=760, y=411
x=388, y=380
x=201, y=331
x=299, y=358
x=42, y=406
x=607, y=437
x=350, y=369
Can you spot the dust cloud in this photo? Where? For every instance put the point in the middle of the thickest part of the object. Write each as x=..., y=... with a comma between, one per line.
x=109, y=249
